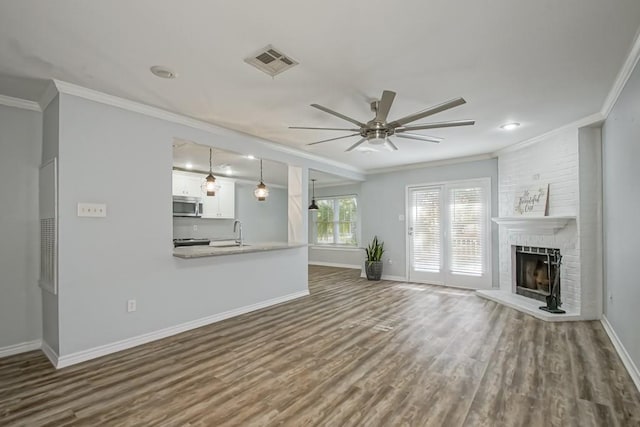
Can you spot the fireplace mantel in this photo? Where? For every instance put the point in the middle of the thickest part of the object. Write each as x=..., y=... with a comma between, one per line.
x=534, y=224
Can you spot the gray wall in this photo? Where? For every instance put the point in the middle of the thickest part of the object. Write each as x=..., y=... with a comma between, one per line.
x=334, y=256
x=261, y=221
x=621, y=205
x=106, y=261
x=383, y=199
x=20, y=151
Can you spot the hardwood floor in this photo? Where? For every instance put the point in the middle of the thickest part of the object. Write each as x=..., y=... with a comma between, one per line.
x=353, y=353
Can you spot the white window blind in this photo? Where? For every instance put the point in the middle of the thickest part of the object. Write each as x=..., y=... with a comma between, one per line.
x=426, y=230
x=467, y=234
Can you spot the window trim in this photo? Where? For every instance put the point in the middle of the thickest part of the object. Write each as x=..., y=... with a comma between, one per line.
x=337, y=246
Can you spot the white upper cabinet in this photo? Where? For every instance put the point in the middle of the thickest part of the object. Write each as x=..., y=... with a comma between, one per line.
x=187, y=184
x=222, y=205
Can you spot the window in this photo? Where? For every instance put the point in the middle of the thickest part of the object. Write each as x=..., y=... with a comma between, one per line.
x=335, y=223
x=467, y=221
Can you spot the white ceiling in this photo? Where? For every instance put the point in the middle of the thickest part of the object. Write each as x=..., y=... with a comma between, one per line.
x=542, y=63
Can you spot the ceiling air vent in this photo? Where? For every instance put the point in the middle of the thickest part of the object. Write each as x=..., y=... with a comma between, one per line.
x=271, y=60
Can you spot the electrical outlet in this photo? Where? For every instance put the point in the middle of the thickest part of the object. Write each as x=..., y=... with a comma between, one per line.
x=195, y=227
x=389, y=261
x=131, y=306
x=95, y=210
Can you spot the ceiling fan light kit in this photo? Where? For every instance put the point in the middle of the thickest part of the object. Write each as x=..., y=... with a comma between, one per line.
x=377, y=131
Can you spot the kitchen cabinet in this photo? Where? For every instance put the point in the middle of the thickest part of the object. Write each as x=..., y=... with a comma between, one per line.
x=187, y=184
x=223, y=204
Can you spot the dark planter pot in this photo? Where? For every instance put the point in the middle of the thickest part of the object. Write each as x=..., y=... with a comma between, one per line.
x=373, y=269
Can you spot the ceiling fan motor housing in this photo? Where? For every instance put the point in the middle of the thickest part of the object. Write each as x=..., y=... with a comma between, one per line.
x=377, y=136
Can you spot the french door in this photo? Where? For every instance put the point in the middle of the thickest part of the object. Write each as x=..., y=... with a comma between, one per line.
x=449, y=234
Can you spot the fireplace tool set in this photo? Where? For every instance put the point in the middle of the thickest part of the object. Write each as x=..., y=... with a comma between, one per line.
x=553, y=299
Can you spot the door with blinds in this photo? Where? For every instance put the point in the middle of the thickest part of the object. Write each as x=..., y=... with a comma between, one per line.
x=449, y=234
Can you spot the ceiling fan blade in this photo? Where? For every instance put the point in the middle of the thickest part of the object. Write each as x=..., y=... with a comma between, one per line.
x=438, y=125
x=335, y=113
x=428, y=112
x=305, y=127
x=419, y=137
x=354, y=146
x=391, y=145
x=333, y=139
x=384, y=105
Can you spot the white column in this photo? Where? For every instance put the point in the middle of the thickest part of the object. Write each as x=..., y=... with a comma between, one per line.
x=298, y=201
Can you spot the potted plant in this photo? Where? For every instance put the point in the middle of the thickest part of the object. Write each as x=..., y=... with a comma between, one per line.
x=373, y=263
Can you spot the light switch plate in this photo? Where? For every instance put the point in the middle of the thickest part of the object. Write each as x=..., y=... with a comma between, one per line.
x=95, y=210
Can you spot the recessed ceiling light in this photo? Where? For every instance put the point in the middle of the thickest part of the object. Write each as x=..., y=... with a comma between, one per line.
x=251, y=157
x=163, y=72
x=229, y=171
x=189, y=166
x=510, y=126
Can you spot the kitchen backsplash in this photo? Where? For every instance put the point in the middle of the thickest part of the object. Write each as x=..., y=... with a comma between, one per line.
x=261, y=221
x=183, y=228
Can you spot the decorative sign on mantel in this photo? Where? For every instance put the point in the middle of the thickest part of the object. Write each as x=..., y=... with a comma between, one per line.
x=532, y=200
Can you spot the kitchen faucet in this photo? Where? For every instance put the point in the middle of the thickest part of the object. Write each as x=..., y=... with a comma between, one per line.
x=238, y=224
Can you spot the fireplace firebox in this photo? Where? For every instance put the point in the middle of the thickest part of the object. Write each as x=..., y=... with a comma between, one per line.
x=538, y=275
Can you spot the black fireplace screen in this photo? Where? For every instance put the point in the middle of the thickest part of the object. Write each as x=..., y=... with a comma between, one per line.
x=536, y=270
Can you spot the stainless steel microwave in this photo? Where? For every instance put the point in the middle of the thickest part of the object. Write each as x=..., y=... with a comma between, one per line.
x=187, y=206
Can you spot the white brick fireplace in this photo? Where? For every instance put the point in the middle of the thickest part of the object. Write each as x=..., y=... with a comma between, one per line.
x=569, y=161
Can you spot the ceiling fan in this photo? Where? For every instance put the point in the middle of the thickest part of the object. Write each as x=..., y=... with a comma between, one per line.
x=377, y=131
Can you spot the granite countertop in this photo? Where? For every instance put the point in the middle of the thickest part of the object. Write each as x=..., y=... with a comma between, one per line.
x=207, y=251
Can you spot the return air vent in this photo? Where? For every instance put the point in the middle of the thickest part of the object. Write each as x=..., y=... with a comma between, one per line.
x=271, y=60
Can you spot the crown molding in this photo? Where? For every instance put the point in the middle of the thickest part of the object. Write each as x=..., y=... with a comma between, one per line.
x=49, y=95
x=159, y=113
x=623, y=76
x=592, y=120
x=431, y=164
x=338, y=184
x=24, y=104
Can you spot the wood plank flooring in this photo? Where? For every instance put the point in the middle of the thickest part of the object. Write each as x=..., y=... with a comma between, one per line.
x=353, y=353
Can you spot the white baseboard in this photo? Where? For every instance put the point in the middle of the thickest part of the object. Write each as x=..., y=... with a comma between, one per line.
x=386, y=277
x=622, y=352
x=335, y=264
x=23, y=347
x=50, y=353
x=103, y=350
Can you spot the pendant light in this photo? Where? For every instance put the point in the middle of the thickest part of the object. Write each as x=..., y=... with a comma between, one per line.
x=210, y=185
x=313, y=206
x=261, y=192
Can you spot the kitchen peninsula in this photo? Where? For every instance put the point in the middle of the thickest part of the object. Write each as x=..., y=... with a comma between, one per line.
x=210, y=251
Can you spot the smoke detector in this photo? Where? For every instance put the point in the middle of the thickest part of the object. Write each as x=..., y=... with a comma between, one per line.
x=271, y=60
